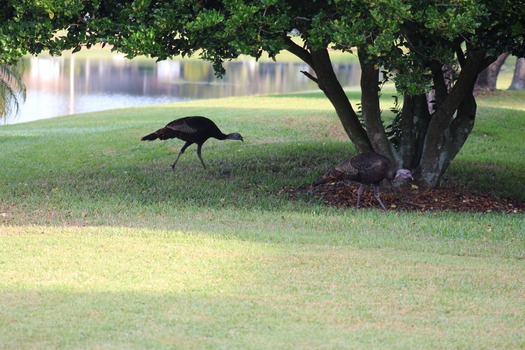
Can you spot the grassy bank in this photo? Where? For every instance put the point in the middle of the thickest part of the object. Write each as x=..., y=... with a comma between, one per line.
x=102, y=245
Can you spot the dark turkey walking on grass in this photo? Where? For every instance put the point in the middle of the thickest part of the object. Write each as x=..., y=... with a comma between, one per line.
x=367, y=169
x=192, y=130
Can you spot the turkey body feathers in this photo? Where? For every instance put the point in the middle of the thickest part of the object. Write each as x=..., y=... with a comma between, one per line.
x=194, y=129
x=367, y=169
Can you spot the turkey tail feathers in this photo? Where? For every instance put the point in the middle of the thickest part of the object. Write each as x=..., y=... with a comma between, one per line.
x=163, y=134
x=331, y=175
x=319, y=181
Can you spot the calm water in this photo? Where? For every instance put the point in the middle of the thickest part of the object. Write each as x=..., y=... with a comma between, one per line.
x=61, y=85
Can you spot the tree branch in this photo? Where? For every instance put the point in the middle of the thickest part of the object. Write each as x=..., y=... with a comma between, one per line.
x=460, y=54
x=298, y=51
x=440, y=86
x=330, y=85
x=309, y=76
x=371, y=110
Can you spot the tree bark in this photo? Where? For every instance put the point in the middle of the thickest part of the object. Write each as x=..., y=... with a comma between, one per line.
x=451, y=123
x=488, y=78
x=415, y=119
x=462, y=125
x=518, y=80
x=319, y=61
x=371, y=110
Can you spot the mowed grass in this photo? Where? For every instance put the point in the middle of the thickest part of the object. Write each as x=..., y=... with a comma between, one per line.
x=103, y=246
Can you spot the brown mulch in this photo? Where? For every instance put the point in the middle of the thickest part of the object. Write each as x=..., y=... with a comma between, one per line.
x=410, y=198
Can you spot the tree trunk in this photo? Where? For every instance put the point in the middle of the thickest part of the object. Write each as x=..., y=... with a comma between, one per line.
x=451, y=124
x=319, y=61
x=371, y=110
x=462, y=125
x=443, y=76
x=415, y=119
x=488, y=77
x=518, y=80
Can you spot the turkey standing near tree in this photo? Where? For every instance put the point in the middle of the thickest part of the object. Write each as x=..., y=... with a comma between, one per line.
x=366, y=168
x=192, y=130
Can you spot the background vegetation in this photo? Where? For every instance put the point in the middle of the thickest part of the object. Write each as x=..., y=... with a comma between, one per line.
x=102, y=245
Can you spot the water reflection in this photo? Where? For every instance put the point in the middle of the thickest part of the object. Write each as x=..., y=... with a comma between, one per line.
x=66, y=85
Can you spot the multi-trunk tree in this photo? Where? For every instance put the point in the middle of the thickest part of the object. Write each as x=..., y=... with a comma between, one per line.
x=432, y=51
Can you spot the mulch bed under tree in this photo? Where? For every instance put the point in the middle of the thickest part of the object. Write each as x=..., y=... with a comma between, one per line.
x=410, y=198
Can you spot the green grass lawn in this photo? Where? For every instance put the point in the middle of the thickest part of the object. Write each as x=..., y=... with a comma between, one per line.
x=103, y=246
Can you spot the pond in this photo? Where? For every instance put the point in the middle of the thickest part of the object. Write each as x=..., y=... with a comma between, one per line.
x=59, y=86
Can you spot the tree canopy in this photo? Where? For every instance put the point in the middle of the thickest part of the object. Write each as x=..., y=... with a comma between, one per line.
x=432, y=51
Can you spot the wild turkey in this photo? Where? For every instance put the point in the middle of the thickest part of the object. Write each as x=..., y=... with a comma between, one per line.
x=192, y=130
x=366, y=168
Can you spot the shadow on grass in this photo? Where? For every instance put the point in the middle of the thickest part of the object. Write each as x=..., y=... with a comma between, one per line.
x=495, y=180
x=142, y=183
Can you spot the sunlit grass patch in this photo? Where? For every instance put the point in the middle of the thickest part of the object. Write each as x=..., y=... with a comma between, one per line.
x=154, y=287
